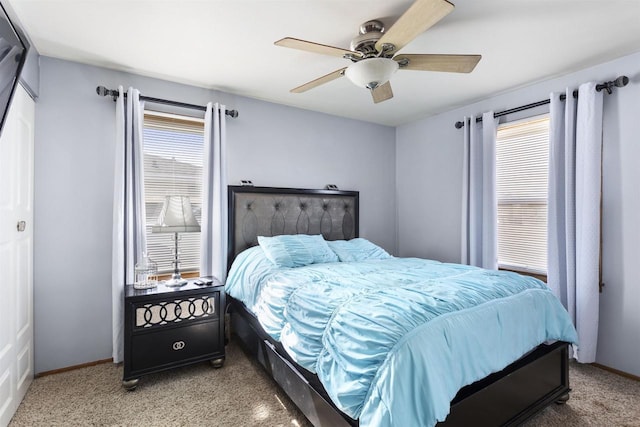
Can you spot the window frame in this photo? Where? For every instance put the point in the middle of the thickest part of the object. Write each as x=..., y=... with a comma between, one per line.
x=537, y=273
x=178, y=120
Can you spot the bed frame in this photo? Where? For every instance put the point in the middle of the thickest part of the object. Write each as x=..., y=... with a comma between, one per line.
x=504, y=398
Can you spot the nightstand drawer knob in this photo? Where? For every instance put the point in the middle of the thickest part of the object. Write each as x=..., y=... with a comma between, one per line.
x=178, y=345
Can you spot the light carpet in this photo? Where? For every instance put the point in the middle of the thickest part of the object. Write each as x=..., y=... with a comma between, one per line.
x=241, y=394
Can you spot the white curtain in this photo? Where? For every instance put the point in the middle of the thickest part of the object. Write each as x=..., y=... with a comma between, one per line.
x=214, y=195
x=575, y=187
x=479, y=205
x=129, y=240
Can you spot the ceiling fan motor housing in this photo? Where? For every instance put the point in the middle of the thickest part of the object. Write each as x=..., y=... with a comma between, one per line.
x=365, y=42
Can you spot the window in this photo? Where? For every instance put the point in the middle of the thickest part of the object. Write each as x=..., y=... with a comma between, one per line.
x=173, y=155
x=522, y=164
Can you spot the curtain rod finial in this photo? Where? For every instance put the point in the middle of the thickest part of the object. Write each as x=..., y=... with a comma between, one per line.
x=621, y=81
x=459, y=125
x=103, y=91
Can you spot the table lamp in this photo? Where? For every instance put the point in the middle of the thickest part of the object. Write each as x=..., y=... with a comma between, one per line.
x=176, y=217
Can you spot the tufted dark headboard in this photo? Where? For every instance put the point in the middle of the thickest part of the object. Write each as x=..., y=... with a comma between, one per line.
x=270, y=211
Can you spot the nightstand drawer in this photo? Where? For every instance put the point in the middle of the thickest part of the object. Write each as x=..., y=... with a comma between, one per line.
x=170, y=345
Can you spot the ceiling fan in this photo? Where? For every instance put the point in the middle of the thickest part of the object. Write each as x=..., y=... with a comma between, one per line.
x=374, y=51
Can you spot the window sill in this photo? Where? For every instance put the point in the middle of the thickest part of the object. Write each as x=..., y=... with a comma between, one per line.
x=184, y=274
x=542, y=277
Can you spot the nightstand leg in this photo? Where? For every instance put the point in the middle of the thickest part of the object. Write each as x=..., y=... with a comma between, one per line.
x=562, y=399
x=217, y=363
x=130, y=385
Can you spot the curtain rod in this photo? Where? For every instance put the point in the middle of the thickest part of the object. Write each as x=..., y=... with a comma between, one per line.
x=608, y=86
x=103, y=91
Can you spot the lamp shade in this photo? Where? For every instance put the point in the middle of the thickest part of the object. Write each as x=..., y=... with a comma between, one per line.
x=176, y=216
x=371, y=73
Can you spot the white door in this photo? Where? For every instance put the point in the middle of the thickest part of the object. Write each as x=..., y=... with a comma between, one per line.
x=16, y=254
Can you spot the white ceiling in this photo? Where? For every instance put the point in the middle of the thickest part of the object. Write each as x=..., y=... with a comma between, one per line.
x=228, y=45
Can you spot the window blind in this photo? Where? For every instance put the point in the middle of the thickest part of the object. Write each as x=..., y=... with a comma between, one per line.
x=173, y=155
x=522, y=164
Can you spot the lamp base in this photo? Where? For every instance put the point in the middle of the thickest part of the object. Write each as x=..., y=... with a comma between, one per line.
x=175, y=281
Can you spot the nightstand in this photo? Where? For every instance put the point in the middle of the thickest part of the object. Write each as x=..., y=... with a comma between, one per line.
x=166, y=327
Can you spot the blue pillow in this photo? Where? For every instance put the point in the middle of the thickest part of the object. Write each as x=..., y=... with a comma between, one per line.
x=296, y=250
x=357, y=249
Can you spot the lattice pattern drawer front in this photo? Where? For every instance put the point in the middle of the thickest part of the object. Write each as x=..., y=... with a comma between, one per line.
x=174, y=311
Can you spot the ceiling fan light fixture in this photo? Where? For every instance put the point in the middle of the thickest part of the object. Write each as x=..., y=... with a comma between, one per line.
x=372, y=72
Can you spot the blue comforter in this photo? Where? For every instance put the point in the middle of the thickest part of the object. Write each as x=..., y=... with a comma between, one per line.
x=394, y=340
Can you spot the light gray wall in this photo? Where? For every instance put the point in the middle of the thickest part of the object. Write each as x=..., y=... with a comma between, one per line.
x=270, y=144
x=279, y=146
x=274, y=145
x=429, y=183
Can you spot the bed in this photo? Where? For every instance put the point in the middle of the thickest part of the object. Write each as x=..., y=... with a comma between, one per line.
x=510, y=392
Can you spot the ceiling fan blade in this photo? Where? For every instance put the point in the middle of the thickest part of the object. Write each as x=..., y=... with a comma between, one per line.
x=447, y=63
x=417, y=19
x=319, y=81
x=382, y=93
x=316, y=47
